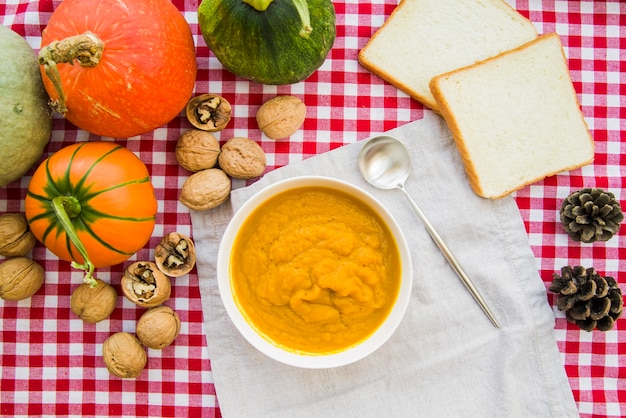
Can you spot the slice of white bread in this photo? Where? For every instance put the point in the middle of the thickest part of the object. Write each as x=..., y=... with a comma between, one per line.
x=424, y=38
x=515, y=118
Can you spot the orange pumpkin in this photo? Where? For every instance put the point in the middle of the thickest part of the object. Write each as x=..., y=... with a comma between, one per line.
x=118, y=68
x=92, y=203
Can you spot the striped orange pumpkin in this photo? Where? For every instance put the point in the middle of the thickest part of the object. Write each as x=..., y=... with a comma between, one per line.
x=92, y=203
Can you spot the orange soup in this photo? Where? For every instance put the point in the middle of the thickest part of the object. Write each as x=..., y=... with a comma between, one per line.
x=315, y=270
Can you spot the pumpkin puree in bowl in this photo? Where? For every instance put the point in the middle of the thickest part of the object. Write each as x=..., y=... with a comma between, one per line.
x=315, y=270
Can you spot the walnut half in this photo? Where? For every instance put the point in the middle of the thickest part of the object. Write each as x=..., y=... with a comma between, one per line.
x=145, y=285
x=209, y=112
x=175, y=255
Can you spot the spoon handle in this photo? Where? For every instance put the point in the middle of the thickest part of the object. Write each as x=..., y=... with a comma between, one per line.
x=451, y=259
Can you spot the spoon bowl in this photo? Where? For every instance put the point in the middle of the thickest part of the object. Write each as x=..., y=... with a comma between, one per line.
x=385, y=163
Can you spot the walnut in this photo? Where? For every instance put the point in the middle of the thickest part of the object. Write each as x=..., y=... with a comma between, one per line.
x=123, y=355
x=20, y=278
x=175, y=255
x=209, y=112
x=145, y=285
x=205, y=189
x=158, y=327
x=197, y=150
x=16, y=239
x=93, y=303
x=242, y=158
x=281, y=116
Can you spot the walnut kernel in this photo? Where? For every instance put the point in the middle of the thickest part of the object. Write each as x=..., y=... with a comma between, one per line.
x=208, y=112
x=20, y=278
x=175, y=255
x=123, y=355
x=16, y=239
x=242, y=158
x=158, y=327
x=197, y=150
x=145, y=285
x=281, y=116
x=93, y=303
x=205, y=189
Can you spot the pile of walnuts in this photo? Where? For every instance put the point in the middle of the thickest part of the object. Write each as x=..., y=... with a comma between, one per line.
x=213, y=167
x=146, y=284
x=123, y=353
x=199, y=152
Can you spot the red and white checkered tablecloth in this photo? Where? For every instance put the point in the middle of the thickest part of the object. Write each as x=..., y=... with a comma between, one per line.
x=50, y=361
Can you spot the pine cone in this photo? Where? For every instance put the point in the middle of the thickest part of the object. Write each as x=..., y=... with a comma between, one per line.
x=588, y=299
x=590, y=215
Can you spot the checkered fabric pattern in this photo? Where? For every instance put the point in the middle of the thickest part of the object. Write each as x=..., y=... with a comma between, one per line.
x=50, y=361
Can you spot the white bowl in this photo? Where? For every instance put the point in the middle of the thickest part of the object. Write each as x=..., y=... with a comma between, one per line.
x=313, y=361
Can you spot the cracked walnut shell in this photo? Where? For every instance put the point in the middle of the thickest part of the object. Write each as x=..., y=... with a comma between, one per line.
x=175, y=255
x=205, y=189
x=208, y=112
x=197, y=150
x=20, y=278
x=124, y=355
x=145, y=285
x=242, y=158
x=16, y=238
x=281, y=116
x=93, y=303
x=158, y=327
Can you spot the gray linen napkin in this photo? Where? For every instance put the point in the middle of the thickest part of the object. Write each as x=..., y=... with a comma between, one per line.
x=446, y=358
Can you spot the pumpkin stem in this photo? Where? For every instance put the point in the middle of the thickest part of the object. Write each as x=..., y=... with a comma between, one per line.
x=66, y=208
x=86, y=49
x=303, y=10
x=301, y=6
x=260, y=5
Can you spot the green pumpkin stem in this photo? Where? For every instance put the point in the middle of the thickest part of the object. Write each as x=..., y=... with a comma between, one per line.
x=86, y=49
x=260, y=5
x=301, y=6
x=65, y=208
x=303, y=10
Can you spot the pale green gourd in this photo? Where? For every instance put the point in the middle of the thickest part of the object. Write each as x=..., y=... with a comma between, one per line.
x=25, y=123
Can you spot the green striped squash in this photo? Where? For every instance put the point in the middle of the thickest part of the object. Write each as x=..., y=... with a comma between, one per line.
x=269, y=41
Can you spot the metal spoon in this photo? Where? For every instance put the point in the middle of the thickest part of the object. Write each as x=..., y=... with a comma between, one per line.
x=385, y=163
